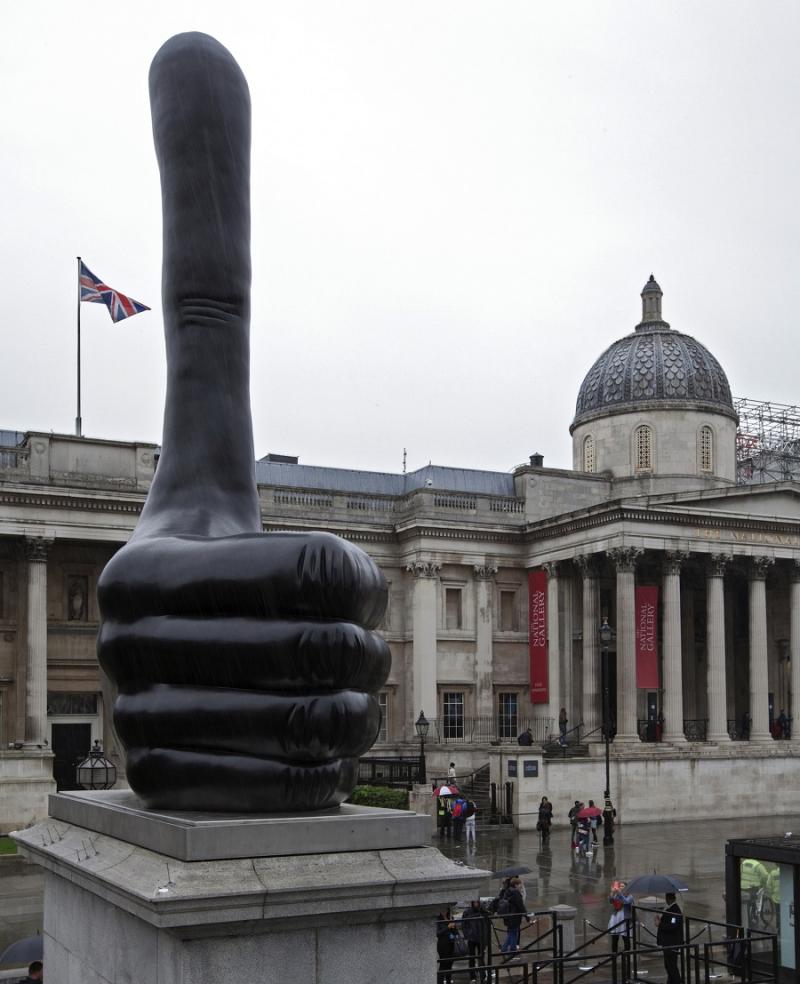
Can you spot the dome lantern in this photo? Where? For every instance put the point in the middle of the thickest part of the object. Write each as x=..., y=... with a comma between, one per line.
x=651, y=307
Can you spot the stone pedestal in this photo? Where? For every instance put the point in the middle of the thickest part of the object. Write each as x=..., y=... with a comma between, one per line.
x=115, y=911
x=26, y=781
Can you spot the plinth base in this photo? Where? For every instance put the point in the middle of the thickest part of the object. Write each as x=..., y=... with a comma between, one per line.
x=216, y=836
x=115, y=911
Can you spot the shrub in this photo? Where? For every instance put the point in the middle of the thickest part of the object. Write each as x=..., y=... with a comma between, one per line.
x=390, y=799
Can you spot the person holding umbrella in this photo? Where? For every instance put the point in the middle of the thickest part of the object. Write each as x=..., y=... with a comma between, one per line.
x=35, y=973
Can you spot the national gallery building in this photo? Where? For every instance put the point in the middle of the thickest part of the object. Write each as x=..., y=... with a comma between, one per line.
x=499, y=584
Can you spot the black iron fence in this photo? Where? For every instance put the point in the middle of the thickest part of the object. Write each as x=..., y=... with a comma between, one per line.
x=393, y=772
x=456, y=729
x=695, y=729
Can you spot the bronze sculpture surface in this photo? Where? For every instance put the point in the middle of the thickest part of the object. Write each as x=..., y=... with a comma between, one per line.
x=246, y=663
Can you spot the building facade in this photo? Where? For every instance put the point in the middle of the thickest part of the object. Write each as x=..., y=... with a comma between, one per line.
x=651, y=501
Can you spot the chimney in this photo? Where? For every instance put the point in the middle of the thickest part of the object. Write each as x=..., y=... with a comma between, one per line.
x=537, y=460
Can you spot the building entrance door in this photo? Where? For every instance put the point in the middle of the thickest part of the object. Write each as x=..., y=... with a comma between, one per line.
x=70, y=743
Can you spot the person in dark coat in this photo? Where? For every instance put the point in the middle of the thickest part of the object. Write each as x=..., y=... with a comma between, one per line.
x=545, y=820
x=446, y=933
x=35, y=973
x=475, y=928
x=525, y=738
x=670, y=934
x=513, y=921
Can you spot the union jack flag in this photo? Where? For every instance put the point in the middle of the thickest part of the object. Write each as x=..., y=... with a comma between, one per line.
x=119, y=305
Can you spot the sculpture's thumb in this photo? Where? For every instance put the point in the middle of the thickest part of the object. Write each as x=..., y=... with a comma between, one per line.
x=205, y=482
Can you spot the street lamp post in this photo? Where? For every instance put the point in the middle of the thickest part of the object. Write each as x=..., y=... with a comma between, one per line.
x=421, y=726
x=605, y=639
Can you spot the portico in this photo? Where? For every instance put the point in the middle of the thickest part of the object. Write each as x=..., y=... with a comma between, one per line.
x=728, y=582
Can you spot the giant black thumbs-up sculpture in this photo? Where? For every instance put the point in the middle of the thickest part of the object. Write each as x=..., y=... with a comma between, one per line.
x=245, y=662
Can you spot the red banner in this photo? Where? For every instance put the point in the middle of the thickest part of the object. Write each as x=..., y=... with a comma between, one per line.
x=537, y=635
x=647, y=638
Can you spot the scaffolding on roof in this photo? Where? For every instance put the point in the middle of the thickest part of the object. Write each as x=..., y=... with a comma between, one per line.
x=767, y=442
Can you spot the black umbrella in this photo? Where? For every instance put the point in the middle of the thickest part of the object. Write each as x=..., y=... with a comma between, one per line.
x=24, y=951
x=655, y=885
x=519, y=869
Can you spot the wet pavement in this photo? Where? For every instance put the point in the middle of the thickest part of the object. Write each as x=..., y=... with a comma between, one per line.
x=695, y=851
x=692, y=850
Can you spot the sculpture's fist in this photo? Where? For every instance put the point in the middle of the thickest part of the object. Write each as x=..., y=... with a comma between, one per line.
x=245, y=662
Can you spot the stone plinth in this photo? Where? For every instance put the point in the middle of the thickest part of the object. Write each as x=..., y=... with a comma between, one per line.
x=115, y=911
x=217, y=836
x=26, y=781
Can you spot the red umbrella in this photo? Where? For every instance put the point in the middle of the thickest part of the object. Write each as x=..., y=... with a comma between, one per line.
x=450, y=790
x=589, y=811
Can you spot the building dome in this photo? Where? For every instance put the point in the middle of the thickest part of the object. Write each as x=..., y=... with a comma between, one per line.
x=654, y=367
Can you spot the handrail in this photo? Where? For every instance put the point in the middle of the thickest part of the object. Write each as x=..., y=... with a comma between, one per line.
x=555, y=742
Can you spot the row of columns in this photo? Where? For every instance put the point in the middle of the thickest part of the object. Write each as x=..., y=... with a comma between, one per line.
x=624, y=560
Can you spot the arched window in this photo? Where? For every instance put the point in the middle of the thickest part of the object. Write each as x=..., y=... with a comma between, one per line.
x=705, y=451
x=588, y=453
x=643, y=448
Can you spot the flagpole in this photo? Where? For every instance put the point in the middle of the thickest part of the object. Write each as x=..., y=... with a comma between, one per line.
x=78, y=421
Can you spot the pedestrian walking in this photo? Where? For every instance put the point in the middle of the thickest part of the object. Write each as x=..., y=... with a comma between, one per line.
x=562, y=726
x=476, y=930
x=469, y=821
x=669, y=935
x=545, y=821
x=443, y=818
x=513, y=920
x=451, y=772
x=458, y=812
x=593, y=821
x=573, y=821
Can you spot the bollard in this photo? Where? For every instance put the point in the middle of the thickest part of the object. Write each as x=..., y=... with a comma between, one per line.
x=565, y=915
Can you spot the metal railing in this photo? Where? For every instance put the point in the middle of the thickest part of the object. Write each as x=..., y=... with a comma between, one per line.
x=649, y=729
x=487, y=730
x=561, y=745
x=394, y=772
x=695, y=729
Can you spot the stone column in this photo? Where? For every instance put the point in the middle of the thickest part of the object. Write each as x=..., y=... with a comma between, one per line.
x=423, y=632
x=36, y=671
x=624, y=559
x=672, y=656
x=716, y=686
x=759, y=672
x=592, y=713
x=554, y=646
x=689, y=650
x=794, y=649
x=484, y=591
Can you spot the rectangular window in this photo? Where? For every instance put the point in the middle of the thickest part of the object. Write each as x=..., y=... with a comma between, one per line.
x=508, y=611
x=71, y=703
x=507, y=715
x=453, y=715
x=453, y=615
x=384, y=706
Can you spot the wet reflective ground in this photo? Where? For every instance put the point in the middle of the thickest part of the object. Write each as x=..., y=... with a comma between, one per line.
x=693, y=850
x=21, y=889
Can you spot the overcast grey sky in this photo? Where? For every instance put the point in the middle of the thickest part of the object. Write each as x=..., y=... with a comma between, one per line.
x=455, y=207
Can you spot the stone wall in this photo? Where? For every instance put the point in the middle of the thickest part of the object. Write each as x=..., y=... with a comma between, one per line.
x=735, y=781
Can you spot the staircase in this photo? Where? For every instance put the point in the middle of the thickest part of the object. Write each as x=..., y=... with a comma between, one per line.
x=475, y=787
x=572, y=750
